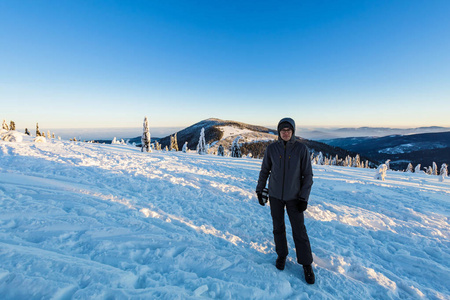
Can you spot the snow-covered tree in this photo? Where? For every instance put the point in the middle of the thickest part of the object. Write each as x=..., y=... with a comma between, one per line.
x=38, y=132
x=114, y=141
x=320, y=158
x=235, y=148
x=443, y=172
x=53, y=136
x=27, y=132
x=356, y=161
x=145, y=139
x=4, y=125
x=48, y=134
x=429, y=170
x=185, y=147
x=417, y=169
x=409, y=169
x=381, y=172
x=173, y=143
x=43, y=134
x=12, y=125
x=157, y=146
x=201, y=147
x=435, y=169
x=220, y=151
x=166, y=148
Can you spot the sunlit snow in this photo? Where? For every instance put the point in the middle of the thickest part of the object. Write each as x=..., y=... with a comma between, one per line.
x=95, y=221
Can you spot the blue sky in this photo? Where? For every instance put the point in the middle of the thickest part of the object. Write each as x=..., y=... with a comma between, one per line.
x=324, y=63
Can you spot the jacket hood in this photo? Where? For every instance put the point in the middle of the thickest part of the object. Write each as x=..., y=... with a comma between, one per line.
x=290, y=121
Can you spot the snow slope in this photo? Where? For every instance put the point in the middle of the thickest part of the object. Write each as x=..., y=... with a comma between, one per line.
x=90, y=221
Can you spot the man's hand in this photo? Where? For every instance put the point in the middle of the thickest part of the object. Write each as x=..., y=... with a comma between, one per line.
x=302, y=204
x=260, y=198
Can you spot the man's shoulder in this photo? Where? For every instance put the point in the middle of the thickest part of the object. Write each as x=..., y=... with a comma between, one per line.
x=301, y=146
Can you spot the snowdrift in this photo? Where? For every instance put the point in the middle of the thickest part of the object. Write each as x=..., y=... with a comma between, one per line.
x=97, y=221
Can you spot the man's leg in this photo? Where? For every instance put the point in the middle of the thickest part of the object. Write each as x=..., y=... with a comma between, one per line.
x=301, y=240
x=279, y=227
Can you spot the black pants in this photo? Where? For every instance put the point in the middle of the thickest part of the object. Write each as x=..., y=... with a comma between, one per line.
x=301, y=240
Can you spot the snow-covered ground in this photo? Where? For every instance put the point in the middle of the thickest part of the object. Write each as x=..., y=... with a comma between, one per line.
x=90, y=221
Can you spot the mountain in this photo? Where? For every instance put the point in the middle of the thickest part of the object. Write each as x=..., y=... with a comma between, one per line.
x=220, y=132
x=253, y=139
x=421, y=149
x=334, y=133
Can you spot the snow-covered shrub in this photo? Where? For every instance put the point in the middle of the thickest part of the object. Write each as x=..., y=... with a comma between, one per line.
x=381, y=172
x=443, y=172
x=387, y=164
x=434, y=171
x=40, y=139
x=12, y=125
x=409, y=169
x=184, y=149
x=5, y=126
x=145, y=139
x=13, y=136
x=417, y=169
x=201, y=146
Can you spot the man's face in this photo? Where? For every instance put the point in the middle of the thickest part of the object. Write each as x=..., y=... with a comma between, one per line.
x=286, y=134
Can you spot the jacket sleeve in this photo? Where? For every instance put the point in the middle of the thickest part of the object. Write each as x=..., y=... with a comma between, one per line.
x=266, y=166
x=306, y=180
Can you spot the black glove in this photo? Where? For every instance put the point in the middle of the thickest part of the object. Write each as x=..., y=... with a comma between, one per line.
x=302, y=204
x=260, y=198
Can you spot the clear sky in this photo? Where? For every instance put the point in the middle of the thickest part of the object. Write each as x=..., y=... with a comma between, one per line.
x=323, y=63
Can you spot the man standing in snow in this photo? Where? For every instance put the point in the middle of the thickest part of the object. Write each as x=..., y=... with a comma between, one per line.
x=288, y=164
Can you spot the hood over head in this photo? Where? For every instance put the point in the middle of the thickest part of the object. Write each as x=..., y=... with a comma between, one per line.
x=280, y=126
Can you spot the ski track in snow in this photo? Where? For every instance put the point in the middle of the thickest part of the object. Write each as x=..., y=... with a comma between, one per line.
x=107, y=221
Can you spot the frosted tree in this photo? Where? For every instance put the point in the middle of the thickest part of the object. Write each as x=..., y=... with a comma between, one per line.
x=38, y=132
x=48, y=134
x=166, y=148
x=173, y=143
x=429, y=170
x=443, y=173
x=27, y=132
x=417, y=169
x=220, y=150
x=12, y=125
x=5, y=126
x=43, y=134
x=320, y=158
x=145, y=139
x=356, y=161
x=184, y=149
x=53, y=135
x=380, y=173
x=235, y=148
x=201, y=146
x=409, y=169
x=435, y=169
x=157, y=145
x=114, y=141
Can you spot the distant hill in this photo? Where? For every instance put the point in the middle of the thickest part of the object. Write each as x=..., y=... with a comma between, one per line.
x=253, y=139
x=335, y=133
x=422, y=149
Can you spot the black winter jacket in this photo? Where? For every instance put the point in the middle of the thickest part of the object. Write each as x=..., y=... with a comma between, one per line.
x=288, y=167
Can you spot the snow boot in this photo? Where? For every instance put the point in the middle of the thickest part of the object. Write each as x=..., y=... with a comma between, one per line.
x=309, y=274
x=280, y=263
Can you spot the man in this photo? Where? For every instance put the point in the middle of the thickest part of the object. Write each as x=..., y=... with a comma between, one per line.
x=288, y=164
